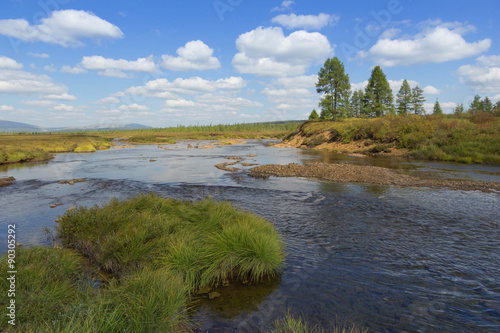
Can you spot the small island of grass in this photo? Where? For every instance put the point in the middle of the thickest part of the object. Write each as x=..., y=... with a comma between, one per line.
x=156, y=251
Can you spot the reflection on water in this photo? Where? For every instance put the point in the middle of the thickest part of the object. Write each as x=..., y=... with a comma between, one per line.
x=388, y=258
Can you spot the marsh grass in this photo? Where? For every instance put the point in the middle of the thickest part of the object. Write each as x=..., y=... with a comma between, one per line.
x=291, y=324
x=468, y=139
x=159, y=251
x=206, y=242
x=38, y=147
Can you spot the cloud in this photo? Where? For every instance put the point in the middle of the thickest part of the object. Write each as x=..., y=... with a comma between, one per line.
x=302, y=81
x=50, y=68
x=162, y=88
x=224, y=101
x=9, y=63
x=285, y=5
x=39, y=55
x=438, y=42
x=489, y=61
x=63, y=27
x=484, y=77
x=133, y=107
x=19, y=82
x=195, y=55
x=307, y=22
x=448, y=107
x=430, y=90
x=73, y=70
x=108, y=100
x=115, y=67
x=62, y=97
x=267, y=52
x=51, y=105
x=6, y=108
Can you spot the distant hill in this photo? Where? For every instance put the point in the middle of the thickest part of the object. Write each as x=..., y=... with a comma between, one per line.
x=14, y=127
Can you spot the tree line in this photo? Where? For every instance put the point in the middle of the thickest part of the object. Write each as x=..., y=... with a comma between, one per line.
x=377, y=99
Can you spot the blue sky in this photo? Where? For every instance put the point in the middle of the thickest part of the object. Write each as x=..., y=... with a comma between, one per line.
x=164, y=63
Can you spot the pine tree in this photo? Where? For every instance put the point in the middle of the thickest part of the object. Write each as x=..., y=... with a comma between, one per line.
x=496, y=108
x=404, y=98
x=378, y=94
x=487, y=105
x=476, y=105
x=459, y=110
x=437, y=111
x=417, y=100
x=314, y=115
x=334, y=83
x=357, y=103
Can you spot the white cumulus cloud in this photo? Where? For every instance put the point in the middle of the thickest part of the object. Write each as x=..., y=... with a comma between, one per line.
x=19, y=82
x=307, y=22
x=483, y=77
x=62, y=97
x=195, y=55
x=115, y=67
x=9, y=63
x=63, y=27
x=438, y=42
x=162, y=88
x=6, y=108
x=73, y=70
x=39, y=55
x=268, y=52
x=133, y=107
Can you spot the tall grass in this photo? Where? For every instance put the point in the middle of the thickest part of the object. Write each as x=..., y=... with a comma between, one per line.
x=158, y=251
x=205, y=242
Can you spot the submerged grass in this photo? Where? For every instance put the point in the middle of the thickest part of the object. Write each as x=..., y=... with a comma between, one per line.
x=291, y=324
x=468, y=139
x=159, y=252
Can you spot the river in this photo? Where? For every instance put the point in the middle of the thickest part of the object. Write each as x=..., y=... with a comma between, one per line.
x=387, y=258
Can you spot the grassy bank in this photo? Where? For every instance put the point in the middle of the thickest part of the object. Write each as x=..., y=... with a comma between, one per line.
x=158, y=251
x=38, y=147
x=468, y=139
x=209, y=132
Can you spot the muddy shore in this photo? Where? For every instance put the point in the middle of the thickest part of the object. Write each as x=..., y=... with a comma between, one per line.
x=366, y=174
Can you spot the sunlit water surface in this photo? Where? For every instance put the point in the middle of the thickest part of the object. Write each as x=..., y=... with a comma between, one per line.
x=387, y=258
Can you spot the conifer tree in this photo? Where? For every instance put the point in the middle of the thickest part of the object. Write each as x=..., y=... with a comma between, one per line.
x=357, y=103
x=487, y=104
x=437, y=111
x=378, y=94
x=404, y=98
x=459, y=110
x=334, y=83
x=313, y=115
x=476, y=105
x=417, y=101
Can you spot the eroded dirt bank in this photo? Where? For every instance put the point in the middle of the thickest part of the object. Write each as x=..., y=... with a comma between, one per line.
x=346, y=173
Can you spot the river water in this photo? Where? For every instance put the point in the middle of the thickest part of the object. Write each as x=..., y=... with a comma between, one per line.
x=390, y=259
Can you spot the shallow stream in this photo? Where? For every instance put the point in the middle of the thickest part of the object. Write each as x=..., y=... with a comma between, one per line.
x=387, y=258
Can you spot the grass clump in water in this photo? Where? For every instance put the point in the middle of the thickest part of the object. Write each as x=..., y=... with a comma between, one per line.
x=159, y=251
x=205, y=241
x=291, y=324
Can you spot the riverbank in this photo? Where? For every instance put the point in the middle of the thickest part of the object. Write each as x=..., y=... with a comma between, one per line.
x=366, y=174
x=15, y=148
x=467, y=139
